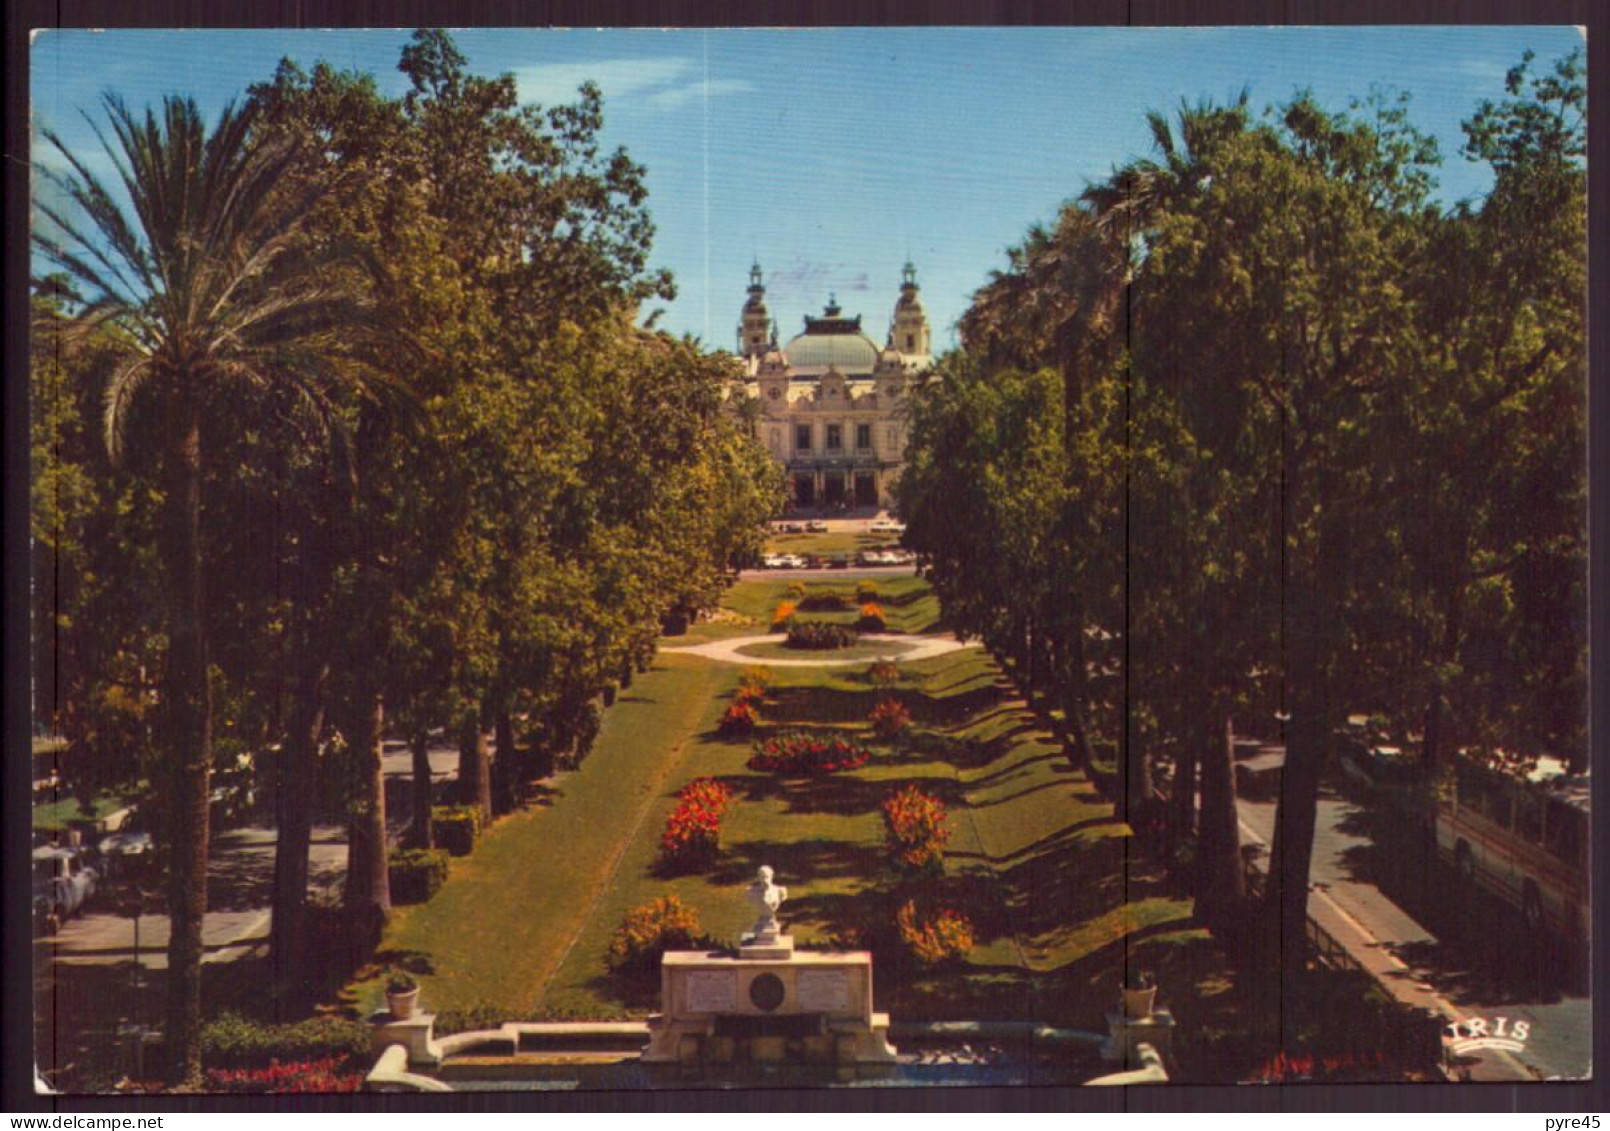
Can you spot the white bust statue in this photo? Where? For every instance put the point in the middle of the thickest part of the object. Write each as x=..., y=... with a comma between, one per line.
x=766, y=898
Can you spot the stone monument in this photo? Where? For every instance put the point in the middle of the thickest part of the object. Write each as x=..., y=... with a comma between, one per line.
x=768, y=1003
x=765, y=939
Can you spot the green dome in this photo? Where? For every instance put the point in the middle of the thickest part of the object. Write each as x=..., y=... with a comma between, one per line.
x=850, y=354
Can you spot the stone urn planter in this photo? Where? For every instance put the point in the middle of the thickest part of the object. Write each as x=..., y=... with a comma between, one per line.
x=402, y=996
x=1140, y=996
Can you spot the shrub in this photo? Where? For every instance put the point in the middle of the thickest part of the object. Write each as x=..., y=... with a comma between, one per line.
x=782, y=616
x=796, y=590
x=883, y=674
x=401, y=982
x=871, y=618
x=456, y=827
x=803, y=753
x=233, y=1041
x=915, y=828
x=820, y=636
x=755, y=683
x=866, y=591
x=648, y=932
x=740, y=718
x=692, y=835
x=824, y=601
x=935, y=939
x=329, y=1074
x=890, y=719
x=417, y=874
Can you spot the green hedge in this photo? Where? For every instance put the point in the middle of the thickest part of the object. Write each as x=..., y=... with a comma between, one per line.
x=233, y=1041
x=865, y=591
x=417, y=873
x=820, y=635
x=824, y=602
x=456, y=827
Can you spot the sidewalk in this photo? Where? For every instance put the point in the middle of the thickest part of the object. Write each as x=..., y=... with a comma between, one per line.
x=1372, y=928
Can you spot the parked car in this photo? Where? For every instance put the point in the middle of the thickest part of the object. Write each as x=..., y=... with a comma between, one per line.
x=63, y=879
x=888, y=526
x=816, y=528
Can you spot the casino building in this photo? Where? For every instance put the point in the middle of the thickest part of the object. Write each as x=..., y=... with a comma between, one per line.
x=832, y=402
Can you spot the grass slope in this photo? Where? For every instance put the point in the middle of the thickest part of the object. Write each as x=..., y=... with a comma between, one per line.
x=1036, y=858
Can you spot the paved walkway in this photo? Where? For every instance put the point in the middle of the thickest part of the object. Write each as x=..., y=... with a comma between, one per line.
x=730, y=651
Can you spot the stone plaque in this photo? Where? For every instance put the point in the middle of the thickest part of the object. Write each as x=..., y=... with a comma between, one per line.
x=823, y=991
x=712, y=991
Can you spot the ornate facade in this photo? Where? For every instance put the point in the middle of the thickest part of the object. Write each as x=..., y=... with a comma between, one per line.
x=832, y=402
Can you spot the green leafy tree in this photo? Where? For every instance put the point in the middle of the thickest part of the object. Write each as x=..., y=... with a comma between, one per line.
x=204, y=281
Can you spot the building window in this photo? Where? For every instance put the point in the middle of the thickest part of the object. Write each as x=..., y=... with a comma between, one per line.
x=835, y=437
x=777, y=440
x=893, y=436
x=911, y=343
x=773, y=392
x=863, y=436
x=802, y=437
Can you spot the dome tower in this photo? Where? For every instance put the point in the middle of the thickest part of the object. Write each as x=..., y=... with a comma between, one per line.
x=908, y=330
x=756, y=333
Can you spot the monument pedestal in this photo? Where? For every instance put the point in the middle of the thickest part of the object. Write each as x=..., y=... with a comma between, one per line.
x=1126, y=1034
x=766, y=946
x=770, y=998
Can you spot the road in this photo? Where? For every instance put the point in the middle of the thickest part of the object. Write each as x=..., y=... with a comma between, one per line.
x=240, y=878
x=1369, y=871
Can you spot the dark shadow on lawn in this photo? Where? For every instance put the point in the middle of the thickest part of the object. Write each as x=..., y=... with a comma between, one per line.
x=840, y=794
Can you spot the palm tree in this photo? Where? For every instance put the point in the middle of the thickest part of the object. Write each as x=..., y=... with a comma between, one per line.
x=213, y=296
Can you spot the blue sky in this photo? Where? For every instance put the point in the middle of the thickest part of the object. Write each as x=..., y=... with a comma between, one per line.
x=832, y=155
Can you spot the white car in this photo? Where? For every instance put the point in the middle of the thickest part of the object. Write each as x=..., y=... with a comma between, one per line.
x=888, y=526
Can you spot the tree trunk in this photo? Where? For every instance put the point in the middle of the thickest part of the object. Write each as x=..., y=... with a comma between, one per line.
x=505, y=762
x=1220, y=883
x=1437, y=701
x=420, y=834
x=368, y=896
x=1182, y=798
x=1078, y=687
x=294, y=830
x=474, y=777
x=187, y=696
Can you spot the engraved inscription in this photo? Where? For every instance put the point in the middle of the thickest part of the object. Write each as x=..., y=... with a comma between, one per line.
x=712, y=991
x=823, y=991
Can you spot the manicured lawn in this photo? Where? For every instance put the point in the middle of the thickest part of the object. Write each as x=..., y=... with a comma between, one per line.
x=836, y=542
x=1036, y=858
x=908, y=604
x=503, y=922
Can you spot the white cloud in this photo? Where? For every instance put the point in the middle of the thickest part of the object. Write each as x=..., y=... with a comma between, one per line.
x=554, y=83
x=664, y=84
x=678, y=96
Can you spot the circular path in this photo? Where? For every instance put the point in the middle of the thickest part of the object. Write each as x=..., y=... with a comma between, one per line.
x=730, y=651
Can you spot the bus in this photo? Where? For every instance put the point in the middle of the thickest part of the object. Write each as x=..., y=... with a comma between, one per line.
x=1523, y=838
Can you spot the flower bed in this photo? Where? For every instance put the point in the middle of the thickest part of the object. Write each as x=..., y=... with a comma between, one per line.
x=692, y=835
x=820, y=636
x=871, y=618
x=890, y=719
x=935, y=939
x=915, y=828
x=782, y=618
x=647, y=933
x=330, y=1074
x=741, y=717
x=800, y=753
